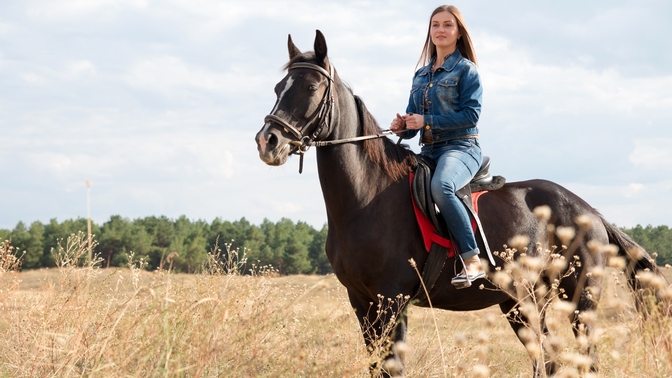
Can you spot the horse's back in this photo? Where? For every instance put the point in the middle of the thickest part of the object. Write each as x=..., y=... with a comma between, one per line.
x=531, y=194
x=509, y=211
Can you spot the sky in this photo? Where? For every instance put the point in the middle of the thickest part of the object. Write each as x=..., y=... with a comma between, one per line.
x=157, y=102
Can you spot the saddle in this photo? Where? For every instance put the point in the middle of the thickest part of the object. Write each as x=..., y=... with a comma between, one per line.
x=440, y=242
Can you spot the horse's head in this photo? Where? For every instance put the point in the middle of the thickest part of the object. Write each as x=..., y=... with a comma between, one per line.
x=302, y=111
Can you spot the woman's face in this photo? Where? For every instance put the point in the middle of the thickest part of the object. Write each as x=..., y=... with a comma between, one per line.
x=444, y=30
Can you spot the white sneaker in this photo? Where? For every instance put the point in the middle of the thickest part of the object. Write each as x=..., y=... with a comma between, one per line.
x=463, y=280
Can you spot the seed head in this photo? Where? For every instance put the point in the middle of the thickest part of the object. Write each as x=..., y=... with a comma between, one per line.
x=400, y=348
x=526, y=335
x=501, y=279
x=534, y=264
x=392, y=366
x=585, y=221
x=579, y=360
x=565, y=234
x=553, y=343
x=610, y=250
x=543, y=212
x=520, y=242
x=564, y=307
x=530, y=311
x=665, y=294
x=533, y=349
x=588, y=317
x=594, y=246
x=636, y=253
x=481, y=371
x=558, y=265
x=653, y=280
x=413, y=264
x=617, y=262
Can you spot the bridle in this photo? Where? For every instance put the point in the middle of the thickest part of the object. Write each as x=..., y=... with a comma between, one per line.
x=321, y=120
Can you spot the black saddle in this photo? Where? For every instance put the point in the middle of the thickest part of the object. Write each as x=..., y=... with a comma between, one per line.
x=422, y=195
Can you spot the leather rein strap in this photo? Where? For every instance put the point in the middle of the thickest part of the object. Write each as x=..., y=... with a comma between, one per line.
x=321, y=119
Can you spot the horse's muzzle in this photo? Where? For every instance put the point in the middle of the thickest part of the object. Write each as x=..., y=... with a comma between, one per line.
x=273, y=147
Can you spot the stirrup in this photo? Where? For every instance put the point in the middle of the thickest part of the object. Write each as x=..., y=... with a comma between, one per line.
x=463, y=280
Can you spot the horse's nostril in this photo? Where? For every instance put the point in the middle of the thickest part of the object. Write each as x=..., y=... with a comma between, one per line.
x=272, y=140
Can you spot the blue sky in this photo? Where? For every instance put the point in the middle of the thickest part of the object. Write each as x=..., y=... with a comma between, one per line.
x=157, y=102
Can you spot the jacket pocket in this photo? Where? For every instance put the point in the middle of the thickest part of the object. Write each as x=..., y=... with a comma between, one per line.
x=447, y=90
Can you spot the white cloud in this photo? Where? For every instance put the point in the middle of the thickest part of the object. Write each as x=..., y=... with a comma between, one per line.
x=74, y=70
x=66, y=10
x=284, y=207
x=5, y=28
x=192, y=157
x=629, y=204
x=32, y=78
x=171, y=75
x=566, y=89
x=166, y=73
x=157, y=102
x=62, y=168
x=653, y=154
x=79, y=69
x=632, y=190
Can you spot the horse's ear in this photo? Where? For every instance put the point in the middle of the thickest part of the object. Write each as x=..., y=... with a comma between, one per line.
x=293, y=50
x=321, y=48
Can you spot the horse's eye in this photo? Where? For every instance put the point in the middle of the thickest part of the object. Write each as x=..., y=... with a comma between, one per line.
x=312, y=88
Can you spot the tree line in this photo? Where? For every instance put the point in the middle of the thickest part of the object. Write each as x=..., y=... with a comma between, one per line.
x=286, y=246
x=656, y=240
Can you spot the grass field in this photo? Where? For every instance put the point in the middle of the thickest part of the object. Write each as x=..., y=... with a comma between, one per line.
x=93, y=322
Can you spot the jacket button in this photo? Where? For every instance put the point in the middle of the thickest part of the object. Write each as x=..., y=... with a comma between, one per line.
x=429, y=102
x=431, y=85
x=426, y=127
x=436, y=137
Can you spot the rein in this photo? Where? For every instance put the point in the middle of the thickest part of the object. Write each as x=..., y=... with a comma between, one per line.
x=321, y=118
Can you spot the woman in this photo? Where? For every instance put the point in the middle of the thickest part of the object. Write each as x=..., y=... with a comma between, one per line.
x=444, y=105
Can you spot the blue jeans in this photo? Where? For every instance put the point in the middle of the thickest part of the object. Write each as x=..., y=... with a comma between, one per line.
x=457, y=162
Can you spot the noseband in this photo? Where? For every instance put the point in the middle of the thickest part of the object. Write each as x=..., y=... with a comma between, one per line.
x=321, y=119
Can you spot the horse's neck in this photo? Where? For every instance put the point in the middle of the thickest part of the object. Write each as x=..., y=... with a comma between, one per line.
x=349, y=179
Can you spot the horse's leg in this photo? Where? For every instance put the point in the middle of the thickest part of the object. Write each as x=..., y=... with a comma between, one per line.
x=518, y=322
x=384, y=331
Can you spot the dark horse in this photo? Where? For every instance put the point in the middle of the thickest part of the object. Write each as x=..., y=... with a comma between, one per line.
x=372, y=227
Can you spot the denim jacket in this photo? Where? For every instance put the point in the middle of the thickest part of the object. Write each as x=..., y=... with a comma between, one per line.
x=449, y=98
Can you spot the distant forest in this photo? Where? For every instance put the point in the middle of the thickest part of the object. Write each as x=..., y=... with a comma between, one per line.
x=289, y=247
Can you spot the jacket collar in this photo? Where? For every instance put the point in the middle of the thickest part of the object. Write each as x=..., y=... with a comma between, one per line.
x=448, y=65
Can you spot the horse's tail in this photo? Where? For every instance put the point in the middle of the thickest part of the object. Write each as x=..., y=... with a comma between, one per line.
x=639, y=262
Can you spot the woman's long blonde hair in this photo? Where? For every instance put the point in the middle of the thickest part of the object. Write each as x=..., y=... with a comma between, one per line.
x=464, y=44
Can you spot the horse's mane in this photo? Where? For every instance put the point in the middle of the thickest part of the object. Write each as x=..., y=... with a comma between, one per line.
x=396, y=161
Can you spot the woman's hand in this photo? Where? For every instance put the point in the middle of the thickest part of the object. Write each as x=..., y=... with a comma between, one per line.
x=398, y=124
x=414, y=121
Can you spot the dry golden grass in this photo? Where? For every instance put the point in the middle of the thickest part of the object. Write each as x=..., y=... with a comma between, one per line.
x=101, y=322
